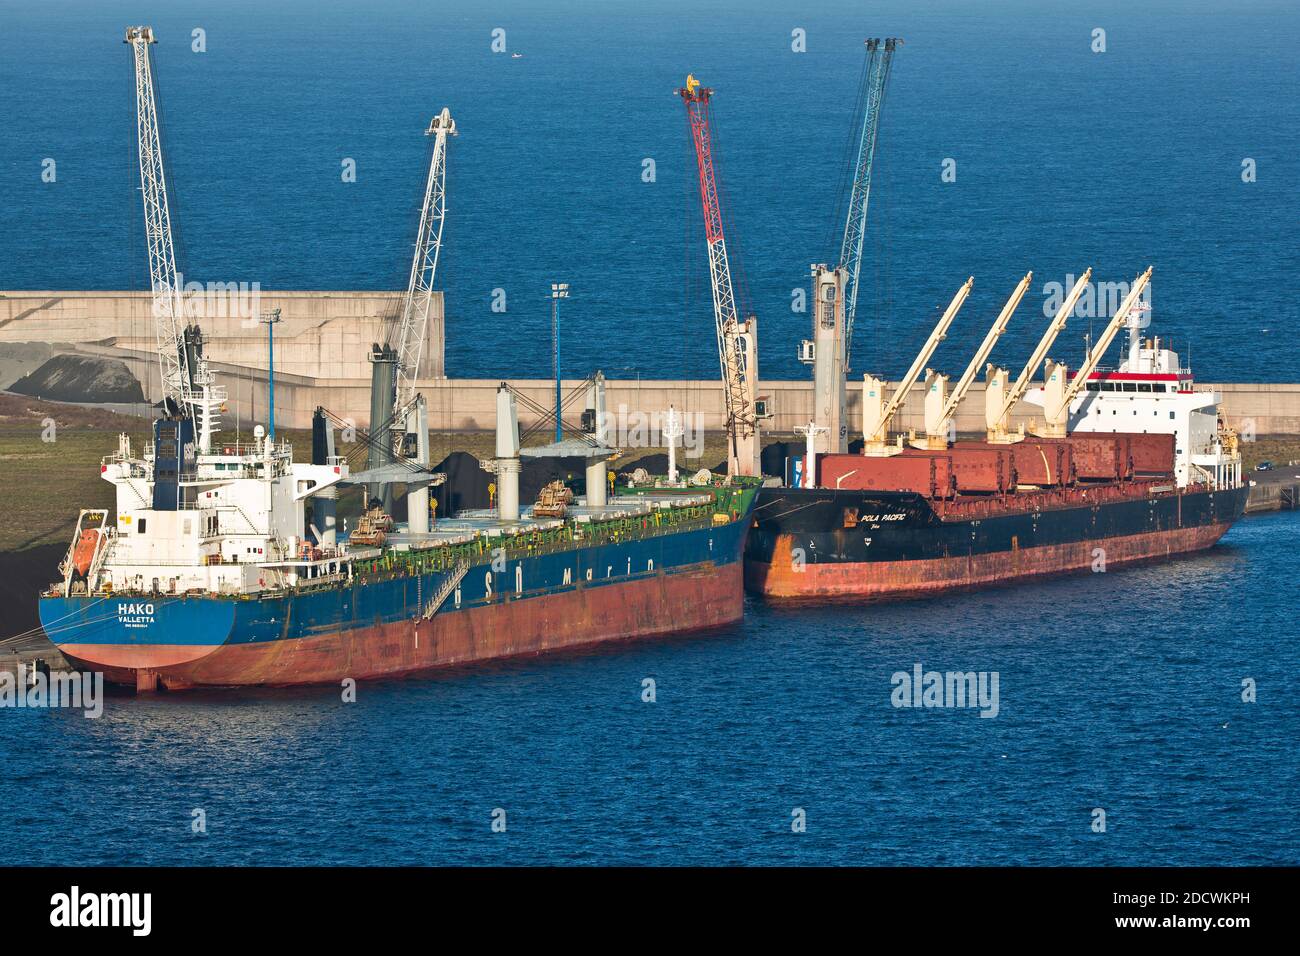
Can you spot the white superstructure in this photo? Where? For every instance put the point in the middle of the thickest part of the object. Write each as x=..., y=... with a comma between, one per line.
x=240, y=525
x=1152, y=392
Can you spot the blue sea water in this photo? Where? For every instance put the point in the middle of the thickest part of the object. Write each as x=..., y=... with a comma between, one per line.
x=1065, y=158
x=1120, y=691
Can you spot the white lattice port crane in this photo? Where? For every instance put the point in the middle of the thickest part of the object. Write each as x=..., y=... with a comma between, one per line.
x=737, y=340
x=398, y=415
x=167, y=306
x=413, y=327
x=187, y=387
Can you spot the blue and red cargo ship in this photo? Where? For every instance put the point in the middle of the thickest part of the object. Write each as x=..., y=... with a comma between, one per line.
x=217, y=580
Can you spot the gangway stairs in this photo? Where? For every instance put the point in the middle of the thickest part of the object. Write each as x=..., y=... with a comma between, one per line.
x=444, y=590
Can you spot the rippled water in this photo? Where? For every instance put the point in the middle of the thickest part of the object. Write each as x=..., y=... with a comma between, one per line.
x=1119, y=690
x=1065, y=158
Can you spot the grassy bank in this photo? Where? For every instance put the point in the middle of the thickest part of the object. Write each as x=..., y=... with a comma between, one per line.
x=50, y=472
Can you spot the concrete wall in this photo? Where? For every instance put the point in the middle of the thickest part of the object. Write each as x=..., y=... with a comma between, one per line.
x=324, y=337
x=470, y=404
x=321, y=334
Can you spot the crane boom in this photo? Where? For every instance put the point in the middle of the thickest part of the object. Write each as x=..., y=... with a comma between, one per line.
x=998, y=431
x=1057, y=395
x=736, y=353
x=879, y=62
x=413, y=327
x=173, y=357
x=875, y=417
x=936, y=426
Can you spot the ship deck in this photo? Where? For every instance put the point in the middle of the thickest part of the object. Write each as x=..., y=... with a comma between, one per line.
x=470, y=524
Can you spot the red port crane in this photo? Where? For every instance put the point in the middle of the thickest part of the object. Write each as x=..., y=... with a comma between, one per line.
x=737, y=340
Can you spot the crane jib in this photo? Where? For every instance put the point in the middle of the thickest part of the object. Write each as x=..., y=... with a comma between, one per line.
x=879, y=63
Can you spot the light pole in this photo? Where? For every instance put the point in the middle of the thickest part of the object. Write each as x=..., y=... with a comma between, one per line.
x=269, y=319
x=559, y=290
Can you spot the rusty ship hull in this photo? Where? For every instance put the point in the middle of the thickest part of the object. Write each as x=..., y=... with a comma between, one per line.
x=636, y=587
x=819, y=544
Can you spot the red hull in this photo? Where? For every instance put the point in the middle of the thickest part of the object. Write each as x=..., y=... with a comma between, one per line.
x=665, y=604
x=892, y=579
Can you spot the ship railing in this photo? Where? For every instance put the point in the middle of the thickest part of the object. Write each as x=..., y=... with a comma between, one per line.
x=531, y=544
x=135, y=470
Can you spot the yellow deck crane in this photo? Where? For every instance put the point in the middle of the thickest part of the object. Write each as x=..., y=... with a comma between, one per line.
x=999, y=401
x=940, y=410
x=876, y=413
x=1057, y=395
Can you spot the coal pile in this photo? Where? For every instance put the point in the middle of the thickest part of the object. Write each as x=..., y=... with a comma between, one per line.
x=80, y=378
x=466, y=487
x=23, y=575
x=775, y=454
x=653, y=464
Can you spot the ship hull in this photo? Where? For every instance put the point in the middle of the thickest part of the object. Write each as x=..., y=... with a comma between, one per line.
x=801, y=550
x=688, y=581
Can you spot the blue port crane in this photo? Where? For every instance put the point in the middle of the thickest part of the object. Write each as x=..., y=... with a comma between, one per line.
x=880, y=56
x=835, y=288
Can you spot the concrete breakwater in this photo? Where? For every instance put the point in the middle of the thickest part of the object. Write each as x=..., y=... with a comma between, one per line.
x=323, y=341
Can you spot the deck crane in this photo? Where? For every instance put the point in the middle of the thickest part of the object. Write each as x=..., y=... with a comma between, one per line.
x=835, y=290
x=190, y=399
x=999, y=401
x=878, y=414
x=940, y=410
x=1057, y=395
x=394, y=399
x=737, y=340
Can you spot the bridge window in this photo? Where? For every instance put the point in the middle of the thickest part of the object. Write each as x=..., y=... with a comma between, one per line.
x=1144, y=386
x=1108, y=386
x=1130, y=386
x=1094, y=386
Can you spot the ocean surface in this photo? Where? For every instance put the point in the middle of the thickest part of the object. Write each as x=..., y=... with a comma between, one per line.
x=1065, y=158
x=1120, y=691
